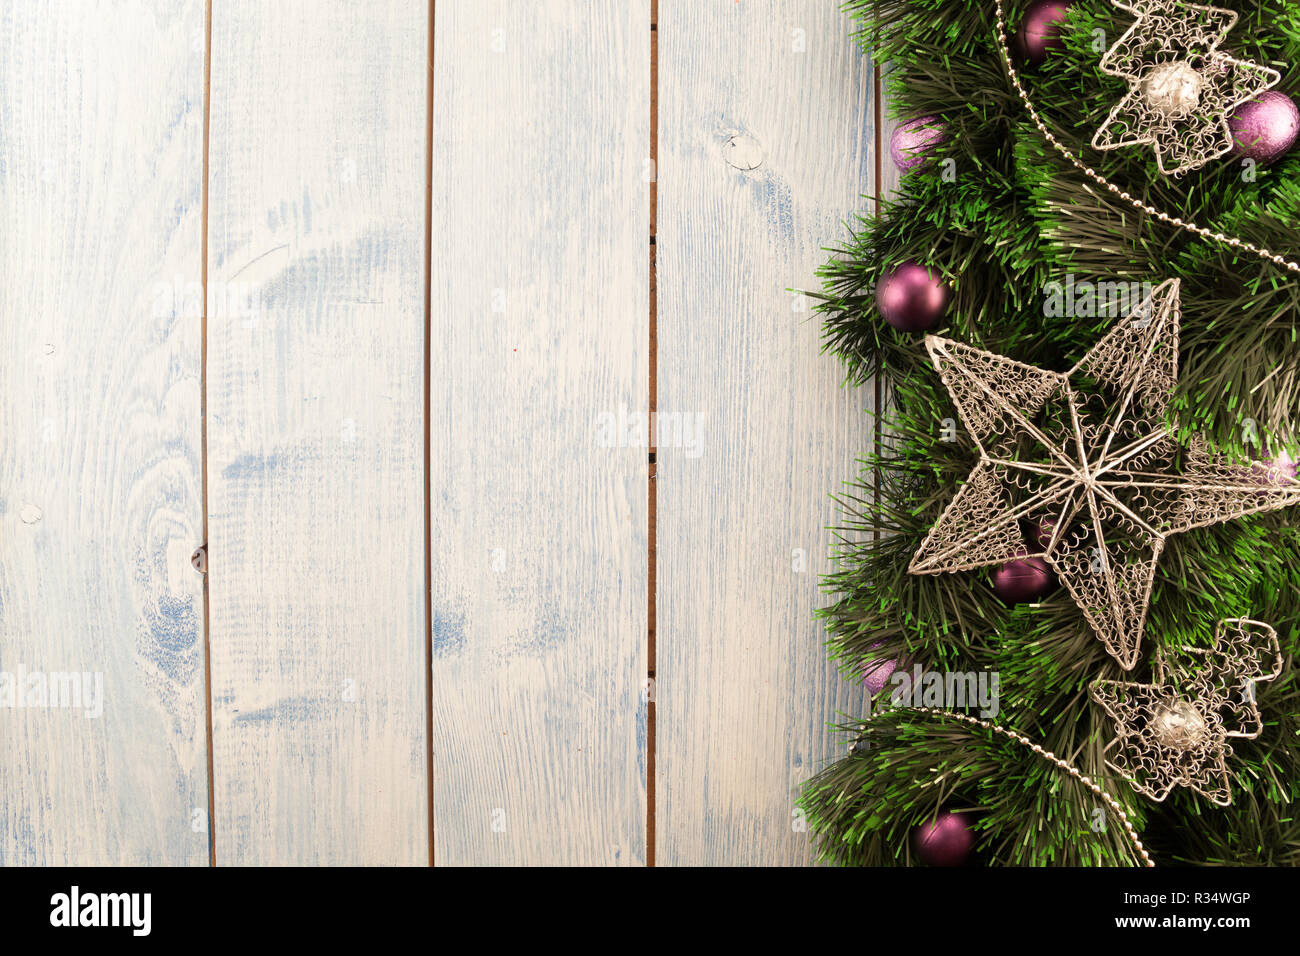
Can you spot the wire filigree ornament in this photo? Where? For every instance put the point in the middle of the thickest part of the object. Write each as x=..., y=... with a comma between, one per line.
x=1232, y=242
x=1083, y=465
x=1182, y=87
x=1174, y=731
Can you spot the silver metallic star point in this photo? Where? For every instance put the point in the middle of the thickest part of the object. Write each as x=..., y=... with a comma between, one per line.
x=1080, y=469
x=1182, y=87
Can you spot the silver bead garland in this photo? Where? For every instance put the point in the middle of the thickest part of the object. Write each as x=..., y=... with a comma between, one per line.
x=1100, y=180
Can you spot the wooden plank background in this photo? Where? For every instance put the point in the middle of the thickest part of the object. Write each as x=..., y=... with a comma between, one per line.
x=539, y=337
x=315, y=437
x=427, y=340
x=765, y=148
x=101, y=171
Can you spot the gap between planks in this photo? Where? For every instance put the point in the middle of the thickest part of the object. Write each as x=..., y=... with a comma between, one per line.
x=203, y=426
x=428, y=480
x=653, y=401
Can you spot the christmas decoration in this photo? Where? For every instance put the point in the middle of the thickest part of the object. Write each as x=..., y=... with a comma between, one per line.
x=1101, y=466
x=862, y=745
x=1268, y=473
x=1280, y=467
x=1124, y=195
x=1174, y=731
x=1043, y=531
x=1040, y=30
x=944, y=841
x=1023, y=213
x=911, y=142
x=1023, y=579
x=912, y=298
x=875, y=674
x=1182, y=87
x=1264, y=129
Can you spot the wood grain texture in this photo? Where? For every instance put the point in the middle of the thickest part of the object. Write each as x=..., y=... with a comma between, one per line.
x=889, y=173
x=101, y=113
x=766, y=146
x=315, y=436
x=538, y=345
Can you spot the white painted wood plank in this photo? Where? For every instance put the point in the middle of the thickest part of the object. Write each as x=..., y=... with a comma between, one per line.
x=539, y=329
x=101, y=131
x=765, y=149
x=315, y=392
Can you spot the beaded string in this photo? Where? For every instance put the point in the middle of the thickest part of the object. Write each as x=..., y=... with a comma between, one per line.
x=1100, y=180
x=1073, y=771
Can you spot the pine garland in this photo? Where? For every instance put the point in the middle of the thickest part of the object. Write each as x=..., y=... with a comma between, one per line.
x=1017, y=219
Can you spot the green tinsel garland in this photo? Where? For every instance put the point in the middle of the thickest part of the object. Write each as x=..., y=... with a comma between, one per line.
x=1017, y=218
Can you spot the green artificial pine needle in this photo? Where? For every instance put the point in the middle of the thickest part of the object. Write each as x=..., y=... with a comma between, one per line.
x=1016, y=218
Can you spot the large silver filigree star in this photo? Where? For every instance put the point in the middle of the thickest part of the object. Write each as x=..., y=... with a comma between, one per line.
x=1182, y=87
x=1174, y=731
x=1081, y=469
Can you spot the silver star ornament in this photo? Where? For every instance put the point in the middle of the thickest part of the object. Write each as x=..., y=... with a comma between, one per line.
x=1182, y=87
x=1080, y=469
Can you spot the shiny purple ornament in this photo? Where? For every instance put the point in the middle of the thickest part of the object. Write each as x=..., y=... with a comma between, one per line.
x=1023, y=580
x=1265, y=128
x=944, y=841
x=1271, y=473
x=911, y=298
x=1282, y=466
x=910, y=142
x=1040, y=30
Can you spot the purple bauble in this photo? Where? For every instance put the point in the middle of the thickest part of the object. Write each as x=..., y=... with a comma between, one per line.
x=945, y=841
x=1263, y=129
x=1271, y=473
x=875, y=674
x=911, y=298
x=909, y=143
x=1283, y=466
x=1023, y=580
x=1040, y=30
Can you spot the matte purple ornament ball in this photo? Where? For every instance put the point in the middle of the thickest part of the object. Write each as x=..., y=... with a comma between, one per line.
x=912, y=141
x=1040, y=30
x=1265, y=128
x=945, y=841
x=1023, y=580
x=911, y=298
x=875, y=674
